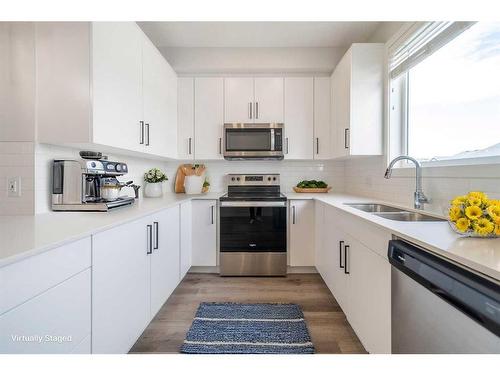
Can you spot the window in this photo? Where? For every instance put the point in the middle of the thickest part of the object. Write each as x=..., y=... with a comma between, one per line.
x=445, y=97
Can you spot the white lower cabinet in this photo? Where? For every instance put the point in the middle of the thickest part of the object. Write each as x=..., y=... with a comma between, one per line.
x=358, y=277
x=301, y=224
x=54, y=322
x=45, y=302
x=165, y=257
x=204, y=233
x=135, y=269
x=186, y=234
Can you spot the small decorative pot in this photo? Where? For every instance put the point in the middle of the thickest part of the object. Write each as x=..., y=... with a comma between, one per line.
x=153, y=190
x=193, y=184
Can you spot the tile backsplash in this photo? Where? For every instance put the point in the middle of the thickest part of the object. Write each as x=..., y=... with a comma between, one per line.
x=290, y=171
x=17, y=160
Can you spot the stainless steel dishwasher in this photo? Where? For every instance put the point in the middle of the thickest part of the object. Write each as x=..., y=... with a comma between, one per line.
x=439, y=307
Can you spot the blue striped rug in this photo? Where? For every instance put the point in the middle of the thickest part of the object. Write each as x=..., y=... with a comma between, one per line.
x=261, y=328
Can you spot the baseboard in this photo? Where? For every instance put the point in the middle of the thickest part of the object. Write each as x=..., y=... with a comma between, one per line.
x=204, y=269
x=302, y=269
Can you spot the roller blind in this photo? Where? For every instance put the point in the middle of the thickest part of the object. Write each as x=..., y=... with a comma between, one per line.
x=421, y=41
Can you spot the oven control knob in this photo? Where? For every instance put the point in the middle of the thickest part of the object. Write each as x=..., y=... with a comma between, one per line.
x=269, y=179
x=274, y=178
x=232, y=178
x=237, y=178
x=93, y=164
x=118, y=167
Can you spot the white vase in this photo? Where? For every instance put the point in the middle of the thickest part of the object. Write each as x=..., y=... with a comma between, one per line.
x=153, y=190
x=193, y=184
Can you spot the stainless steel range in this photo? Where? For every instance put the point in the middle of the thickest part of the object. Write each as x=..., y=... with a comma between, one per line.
x=253, y=226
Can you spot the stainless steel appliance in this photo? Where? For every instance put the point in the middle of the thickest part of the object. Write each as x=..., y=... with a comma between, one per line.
x=253, y=141
x=253, y=222
x=440, y=307
x=77, y=185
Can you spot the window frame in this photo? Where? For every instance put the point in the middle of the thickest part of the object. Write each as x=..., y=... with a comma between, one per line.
x=396, y=125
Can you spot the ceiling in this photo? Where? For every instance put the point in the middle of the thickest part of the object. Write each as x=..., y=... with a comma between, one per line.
x=258, y=34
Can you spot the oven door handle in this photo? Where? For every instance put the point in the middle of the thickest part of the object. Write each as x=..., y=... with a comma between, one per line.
x=252, y=204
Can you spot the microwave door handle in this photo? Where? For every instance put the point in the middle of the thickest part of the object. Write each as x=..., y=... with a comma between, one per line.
x=272, y=140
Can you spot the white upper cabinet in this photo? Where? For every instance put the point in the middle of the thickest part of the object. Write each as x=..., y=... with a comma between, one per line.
x=357, y=101
x=268, y=93
x=253, y=100
x=185, y=118
x=299, y=108
x=104, y=83
x=208, y=117
x=116, y=84
x=159, y=84
x=322, y=121
x=239, y=103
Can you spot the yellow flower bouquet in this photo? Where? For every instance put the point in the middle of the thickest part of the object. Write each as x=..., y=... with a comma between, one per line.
x=475, y=215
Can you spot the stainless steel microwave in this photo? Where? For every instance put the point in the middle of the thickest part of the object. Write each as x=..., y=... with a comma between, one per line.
x=253, y=141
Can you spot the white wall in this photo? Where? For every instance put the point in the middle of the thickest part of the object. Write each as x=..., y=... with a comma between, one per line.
x=252, y=60
x=291, y=172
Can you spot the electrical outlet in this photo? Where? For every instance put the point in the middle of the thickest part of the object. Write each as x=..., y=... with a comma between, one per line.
x=14, y=187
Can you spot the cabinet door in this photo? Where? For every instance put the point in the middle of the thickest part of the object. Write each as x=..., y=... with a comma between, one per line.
x=208, y=115
x=322, y=122
x=117, y=84
x=301, y=232
x=185, y=130
x=165, y=257
x=239, y=99
x=298, y=118
x=342, y=105
x=369, y=290
x=60, y=312
x=160, y=103
x=268, y=102
x=335, y=242
x=120, y=286
x=204, y=232
x=186, y=237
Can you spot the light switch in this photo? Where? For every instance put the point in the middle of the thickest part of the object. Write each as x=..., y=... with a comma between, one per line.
x=14, y=187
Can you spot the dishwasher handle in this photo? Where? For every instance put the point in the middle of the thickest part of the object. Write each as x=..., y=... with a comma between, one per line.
x=472, y=294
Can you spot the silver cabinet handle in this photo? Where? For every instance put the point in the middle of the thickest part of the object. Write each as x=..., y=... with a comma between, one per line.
x=212, y=213
x=346, y=138
x=293, y=214
x=147, y=132
x=286, y=144
x=317, y=146
x=149, y=246
x=346, y=252
x=220, y=146
x=141, y=137
x=250, y=110
x=257, y=110
x=155, y=223
x=189, y=145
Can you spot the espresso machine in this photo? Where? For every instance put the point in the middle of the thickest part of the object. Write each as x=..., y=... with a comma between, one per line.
x=84, y=185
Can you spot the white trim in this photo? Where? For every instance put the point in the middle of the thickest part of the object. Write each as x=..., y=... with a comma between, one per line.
x=220, y=343
x=248, y=320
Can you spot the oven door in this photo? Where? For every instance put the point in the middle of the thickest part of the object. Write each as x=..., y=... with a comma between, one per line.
x=243, y=141
x=253, y=227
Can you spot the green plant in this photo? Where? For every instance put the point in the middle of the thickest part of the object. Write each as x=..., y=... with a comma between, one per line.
x=155, y=175
x=312, y=184
x=206, y=183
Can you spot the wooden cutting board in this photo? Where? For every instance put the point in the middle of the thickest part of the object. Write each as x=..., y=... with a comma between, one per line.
x=186, y=170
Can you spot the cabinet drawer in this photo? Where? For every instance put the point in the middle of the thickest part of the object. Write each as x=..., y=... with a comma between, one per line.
x=28, y=278
x=56, y=321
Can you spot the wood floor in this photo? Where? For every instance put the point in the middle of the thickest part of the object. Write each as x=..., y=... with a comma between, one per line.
x=328, y=327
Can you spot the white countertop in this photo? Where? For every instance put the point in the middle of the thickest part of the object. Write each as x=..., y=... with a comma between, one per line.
x=24, y=236
x=479, y=254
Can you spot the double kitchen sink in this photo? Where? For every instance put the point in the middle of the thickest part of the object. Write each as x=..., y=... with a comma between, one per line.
x=392, y=213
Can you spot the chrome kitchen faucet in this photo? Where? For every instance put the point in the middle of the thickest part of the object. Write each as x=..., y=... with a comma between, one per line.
x=419, y=196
